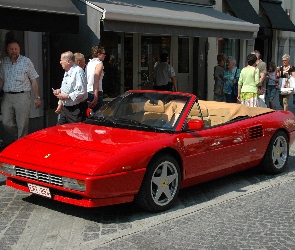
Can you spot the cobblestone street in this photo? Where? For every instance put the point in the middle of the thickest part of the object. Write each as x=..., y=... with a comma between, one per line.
x=247, y=210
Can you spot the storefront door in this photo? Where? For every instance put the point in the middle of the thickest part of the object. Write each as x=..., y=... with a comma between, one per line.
x=150, y=49
x=184, y=75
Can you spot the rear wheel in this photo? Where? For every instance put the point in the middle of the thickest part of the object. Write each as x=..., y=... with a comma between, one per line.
x=160, y=185
x=276, y=155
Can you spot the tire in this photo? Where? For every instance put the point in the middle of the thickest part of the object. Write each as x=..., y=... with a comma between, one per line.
x=160, y=185
x=277, y=153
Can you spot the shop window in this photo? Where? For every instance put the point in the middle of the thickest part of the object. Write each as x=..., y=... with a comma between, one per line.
x=183, y=55
x=128, y=62
x=151, y=48
x=111, y=41
x=230, y=47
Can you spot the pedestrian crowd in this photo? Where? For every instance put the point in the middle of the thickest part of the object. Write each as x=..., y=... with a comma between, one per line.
x=256, y=85
x=79, y=89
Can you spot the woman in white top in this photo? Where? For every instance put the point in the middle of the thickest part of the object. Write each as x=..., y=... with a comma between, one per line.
x=284, y=73
x=94, y=72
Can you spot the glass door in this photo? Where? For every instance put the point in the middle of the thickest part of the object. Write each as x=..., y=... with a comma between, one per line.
x=150, y=50
x=183, y=75
x=128, y=62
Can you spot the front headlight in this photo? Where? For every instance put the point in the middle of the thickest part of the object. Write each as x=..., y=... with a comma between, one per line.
x=74, y=184
x=7, y=168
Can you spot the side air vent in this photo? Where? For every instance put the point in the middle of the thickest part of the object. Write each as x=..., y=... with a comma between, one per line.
x=254, y=132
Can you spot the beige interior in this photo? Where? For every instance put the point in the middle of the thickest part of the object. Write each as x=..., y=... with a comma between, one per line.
x=154, y=112
x=196, y=115
x=215, y=113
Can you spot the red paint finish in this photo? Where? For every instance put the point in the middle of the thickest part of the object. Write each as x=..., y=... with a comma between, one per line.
x=112, y=160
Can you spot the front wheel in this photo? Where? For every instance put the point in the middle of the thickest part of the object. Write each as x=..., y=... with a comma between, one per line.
x=160, y=185
x=276, y=155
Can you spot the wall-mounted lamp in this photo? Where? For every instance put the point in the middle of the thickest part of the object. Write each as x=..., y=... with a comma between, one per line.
x=288, y=12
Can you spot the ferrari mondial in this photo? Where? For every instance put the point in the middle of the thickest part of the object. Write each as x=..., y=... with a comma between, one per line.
x=144, y=146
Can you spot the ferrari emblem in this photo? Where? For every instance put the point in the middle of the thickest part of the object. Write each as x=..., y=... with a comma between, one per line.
x=164, y=183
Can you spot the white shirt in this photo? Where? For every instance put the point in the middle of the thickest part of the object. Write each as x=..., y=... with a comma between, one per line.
x=90, y=68
x=163, y=73
x=74, y=84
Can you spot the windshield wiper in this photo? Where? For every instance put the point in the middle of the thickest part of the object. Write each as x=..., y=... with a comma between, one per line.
x=100, y=120
x=138, y=124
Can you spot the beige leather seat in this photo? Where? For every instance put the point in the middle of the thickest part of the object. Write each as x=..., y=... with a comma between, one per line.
x=154, y=113
x=196, y=115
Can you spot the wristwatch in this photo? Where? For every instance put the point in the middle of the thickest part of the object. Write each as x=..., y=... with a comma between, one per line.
x=37, y=97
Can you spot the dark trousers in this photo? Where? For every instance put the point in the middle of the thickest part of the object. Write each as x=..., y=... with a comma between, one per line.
x=230, y=98
x=99, y=101
x=72, y=114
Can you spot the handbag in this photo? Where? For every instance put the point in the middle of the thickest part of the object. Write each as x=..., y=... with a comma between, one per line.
x=286, y=88
x=261, y=91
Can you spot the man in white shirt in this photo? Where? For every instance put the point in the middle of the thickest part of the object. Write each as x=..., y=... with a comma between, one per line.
x=164, y=75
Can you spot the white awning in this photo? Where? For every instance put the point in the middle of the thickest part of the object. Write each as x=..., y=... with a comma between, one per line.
x=159, y=17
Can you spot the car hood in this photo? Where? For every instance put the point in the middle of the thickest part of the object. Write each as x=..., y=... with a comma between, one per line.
x=80, y=148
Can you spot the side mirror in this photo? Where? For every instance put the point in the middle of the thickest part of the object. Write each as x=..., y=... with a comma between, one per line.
x=195, y=124
x=89, y=113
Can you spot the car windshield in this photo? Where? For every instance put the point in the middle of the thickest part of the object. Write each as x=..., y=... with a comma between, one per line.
x=151, y=111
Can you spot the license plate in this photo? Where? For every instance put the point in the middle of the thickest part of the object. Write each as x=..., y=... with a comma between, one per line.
x=35, y=189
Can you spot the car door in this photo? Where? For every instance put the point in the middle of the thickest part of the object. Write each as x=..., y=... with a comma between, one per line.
x=213, y=149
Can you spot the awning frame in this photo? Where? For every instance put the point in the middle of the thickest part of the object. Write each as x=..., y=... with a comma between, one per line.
x=201, y=18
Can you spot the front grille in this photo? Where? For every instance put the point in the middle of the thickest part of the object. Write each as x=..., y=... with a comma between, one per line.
x=39, y=176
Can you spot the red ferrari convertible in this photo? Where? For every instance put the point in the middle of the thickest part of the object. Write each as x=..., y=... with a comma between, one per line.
x=144, y=146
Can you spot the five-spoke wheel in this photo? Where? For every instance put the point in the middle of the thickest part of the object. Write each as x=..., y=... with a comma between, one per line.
x=160, y=185
x=276, y=155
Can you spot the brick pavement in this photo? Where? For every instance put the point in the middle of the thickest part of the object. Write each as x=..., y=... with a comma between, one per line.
x=247, y=210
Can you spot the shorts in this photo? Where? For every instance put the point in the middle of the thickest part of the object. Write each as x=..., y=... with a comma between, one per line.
x=284, y=100
x=271, y=91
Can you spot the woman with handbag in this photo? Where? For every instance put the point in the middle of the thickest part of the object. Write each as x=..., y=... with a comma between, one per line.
x=230, y=80
x=284, y=73
x=249, y=83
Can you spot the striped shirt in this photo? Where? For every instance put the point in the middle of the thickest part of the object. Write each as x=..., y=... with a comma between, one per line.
x=17, y=76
